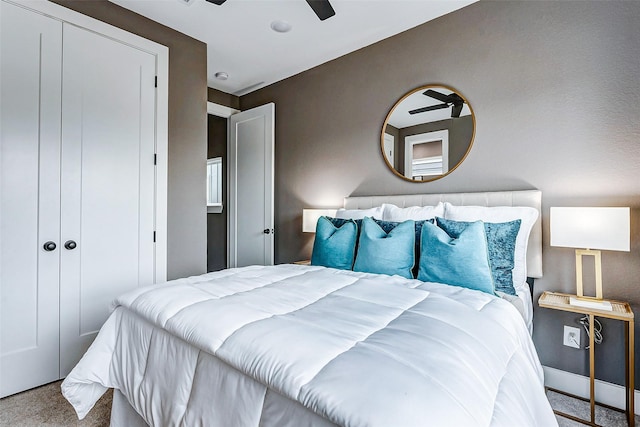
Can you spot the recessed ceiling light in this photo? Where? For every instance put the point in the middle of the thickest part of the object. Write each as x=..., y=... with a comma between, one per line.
x=280, y=26
x=221, y=75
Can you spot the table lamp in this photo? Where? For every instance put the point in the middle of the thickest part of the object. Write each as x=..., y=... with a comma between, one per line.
x=590, y=230
x=310, y=218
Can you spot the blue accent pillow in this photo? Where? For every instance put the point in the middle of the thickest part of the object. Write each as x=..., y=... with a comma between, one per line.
x=501, y=244
x=333, y=246
x=460, y=262
x=386, y=253
x=387, y=226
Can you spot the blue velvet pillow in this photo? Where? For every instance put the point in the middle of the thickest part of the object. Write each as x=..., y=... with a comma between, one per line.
x=339, y=222
x=334, y=246
x=386, y=253
x=501, y=244
x=460, y=262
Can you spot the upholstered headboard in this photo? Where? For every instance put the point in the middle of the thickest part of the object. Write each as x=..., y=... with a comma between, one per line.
x=531, y=198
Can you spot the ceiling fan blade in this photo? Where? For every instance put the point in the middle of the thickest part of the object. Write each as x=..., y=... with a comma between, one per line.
x=218, y=2
x=456, y=110
x=437, y=95
x=322, y=8
x=429, y=108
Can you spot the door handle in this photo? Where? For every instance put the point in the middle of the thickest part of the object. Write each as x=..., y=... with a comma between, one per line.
x=49, y=246
x=268, y=231
x=70, y=244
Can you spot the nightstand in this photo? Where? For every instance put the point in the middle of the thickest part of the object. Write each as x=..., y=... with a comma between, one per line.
x=303, y=262
x=621, y=311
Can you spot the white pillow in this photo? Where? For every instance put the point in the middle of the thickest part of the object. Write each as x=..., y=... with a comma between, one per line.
x=495, y=214
x=416, y=213
x=359, y=213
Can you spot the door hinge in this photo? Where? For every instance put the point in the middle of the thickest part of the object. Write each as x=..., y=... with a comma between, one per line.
x=154, y=237
x=156, y=82
x=155, y=159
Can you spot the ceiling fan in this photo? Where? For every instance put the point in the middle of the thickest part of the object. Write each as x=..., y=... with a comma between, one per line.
x=452, y=100
x=322, y=8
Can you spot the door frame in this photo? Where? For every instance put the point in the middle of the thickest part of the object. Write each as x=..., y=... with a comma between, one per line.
x=224, y=112
x=161, y=53
x=220, y=110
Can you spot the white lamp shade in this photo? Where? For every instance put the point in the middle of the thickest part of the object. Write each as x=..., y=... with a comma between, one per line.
x=310, y=218
x=591, y=228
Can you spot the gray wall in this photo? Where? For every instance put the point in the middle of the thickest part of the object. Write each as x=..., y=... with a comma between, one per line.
x=555, y=87
x=187, y=132
x=218, y=97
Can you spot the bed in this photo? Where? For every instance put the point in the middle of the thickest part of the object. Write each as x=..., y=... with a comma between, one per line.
x=526, y=198
x=295, y=345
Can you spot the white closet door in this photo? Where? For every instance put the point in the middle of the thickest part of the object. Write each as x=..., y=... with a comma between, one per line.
x=108, y=176
x=29, y=198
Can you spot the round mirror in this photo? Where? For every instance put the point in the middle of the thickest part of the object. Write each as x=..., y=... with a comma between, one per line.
x=427, y=133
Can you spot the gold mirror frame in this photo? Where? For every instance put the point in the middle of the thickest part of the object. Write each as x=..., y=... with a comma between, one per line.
x=423, y=89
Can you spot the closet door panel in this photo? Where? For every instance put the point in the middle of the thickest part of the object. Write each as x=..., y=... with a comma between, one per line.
x=108, y=176
x=29, y=198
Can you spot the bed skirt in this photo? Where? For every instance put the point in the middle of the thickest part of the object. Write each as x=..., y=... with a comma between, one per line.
x=122, y=414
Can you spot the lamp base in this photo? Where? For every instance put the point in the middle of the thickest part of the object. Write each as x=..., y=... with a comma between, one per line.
x=594, y=303
x=597, y=259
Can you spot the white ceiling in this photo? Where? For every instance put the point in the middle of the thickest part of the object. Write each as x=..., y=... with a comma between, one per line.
x=241, y=43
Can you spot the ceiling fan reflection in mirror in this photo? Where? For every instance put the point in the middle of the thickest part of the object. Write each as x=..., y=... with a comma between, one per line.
x=322, y=8
x=452, y=100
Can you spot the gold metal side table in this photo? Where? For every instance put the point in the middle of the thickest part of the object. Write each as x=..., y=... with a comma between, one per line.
x=621, y=311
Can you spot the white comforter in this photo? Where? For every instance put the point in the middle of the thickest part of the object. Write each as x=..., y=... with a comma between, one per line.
x=351, y=349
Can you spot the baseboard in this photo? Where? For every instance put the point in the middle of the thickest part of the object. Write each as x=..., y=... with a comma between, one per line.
x=607, y=393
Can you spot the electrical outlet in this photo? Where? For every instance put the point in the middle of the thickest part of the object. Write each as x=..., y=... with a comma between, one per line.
x=571, y=336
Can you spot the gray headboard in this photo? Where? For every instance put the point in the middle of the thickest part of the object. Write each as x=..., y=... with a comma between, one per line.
x=531, y=198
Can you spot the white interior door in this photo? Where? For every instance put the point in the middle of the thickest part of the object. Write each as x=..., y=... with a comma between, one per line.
x=29, y=198
x=108, y=176
x=251, y=166
x=389, y=149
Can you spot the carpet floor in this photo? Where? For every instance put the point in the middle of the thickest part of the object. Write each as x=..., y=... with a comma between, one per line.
x=581, y=409
x=45, y=407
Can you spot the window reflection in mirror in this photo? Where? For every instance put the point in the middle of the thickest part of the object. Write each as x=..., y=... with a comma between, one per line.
x=427, y=133
x=427, y=155
x=214, y=185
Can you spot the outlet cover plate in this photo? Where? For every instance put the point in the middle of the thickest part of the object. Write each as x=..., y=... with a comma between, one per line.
x=571, y=336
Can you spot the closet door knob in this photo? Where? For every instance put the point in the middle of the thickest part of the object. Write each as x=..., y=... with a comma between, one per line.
x=266, y=231
x=49, y=246
x=70, y=244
